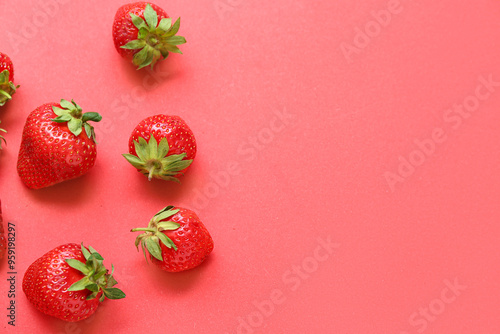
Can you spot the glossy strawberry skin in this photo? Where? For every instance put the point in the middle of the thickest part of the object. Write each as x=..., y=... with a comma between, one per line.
x=49, y=153
x=124, y=30
x=6, y=64
x=178, y=134
x=3, y=240
x=193, y=242
x=46, y=281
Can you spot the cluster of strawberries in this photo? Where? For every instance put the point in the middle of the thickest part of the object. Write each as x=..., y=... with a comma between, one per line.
x=58, y=144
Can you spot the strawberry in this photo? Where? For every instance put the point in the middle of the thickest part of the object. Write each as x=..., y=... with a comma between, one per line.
x=143, y=32
x=54, y=148
x=3, y=241
x=69, y=282
x=162, y=147
x=176, y=239
x=7, y=87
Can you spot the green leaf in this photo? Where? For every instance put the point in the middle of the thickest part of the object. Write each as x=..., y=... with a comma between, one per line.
x=101, y=299
x=93, y=134
x=170, y=178
x=165, y=209
x=76, y=105
x=80, y=266
x=113, y=293
x=143, y=245
x=165, y=24
x=153, y=147
x=175, y=28
x=163, y=148
x=143, y=32
x=172, y=158
x=164, y=52
x=134, y=161
x=67, y=105
x=165, y=214
x=92, y=295
x=166, y=240
x=80, y=285
x=141, y=149
x=85, y=252
x=141, y=56
x=75, y=126
x=91, y=116
x=59, y=112
x=63, y=118
x=88, y=129
x=172, y=48
x=92, y=287
x=154, y=248
x=176, y=40
x=134, y=45
x=111, y=282
x=168, y=226
x=95, y=254
x=179, y=165
x=151, y=16
x=4, y=93
x=137, y=21
x=150, y=56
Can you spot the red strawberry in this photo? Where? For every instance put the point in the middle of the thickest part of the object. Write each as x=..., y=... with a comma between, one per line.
x=176, y=239
x=7, y=87
x=54, y=148
x=167, y=153
x=144, y=33
x=69, y=282
x=3, y=241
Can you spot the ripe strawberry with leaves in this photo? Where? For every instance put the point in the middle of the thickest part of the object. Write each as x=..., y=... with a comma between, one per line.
x=143, y=32
x=3, y=240
x=162, y=147
x=69, y=282
x=176, y=239
x=7, y=87
x=54, y=145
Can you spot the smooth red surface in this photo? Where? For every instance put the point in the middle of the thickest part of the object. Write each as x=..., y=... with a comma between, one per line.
x=296, y=137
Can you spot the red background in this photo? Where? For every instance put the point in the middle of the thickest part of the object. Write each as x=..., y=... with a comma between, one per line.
x=301, y=111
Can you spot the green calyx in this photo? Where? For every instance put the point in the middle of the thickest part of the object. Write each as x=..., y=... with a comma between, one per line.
x=152, y=159
x=7, y=87
x=153, y=234
x=154, y=40
x=72, y=114
x=1, y=137
x=96, y=277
